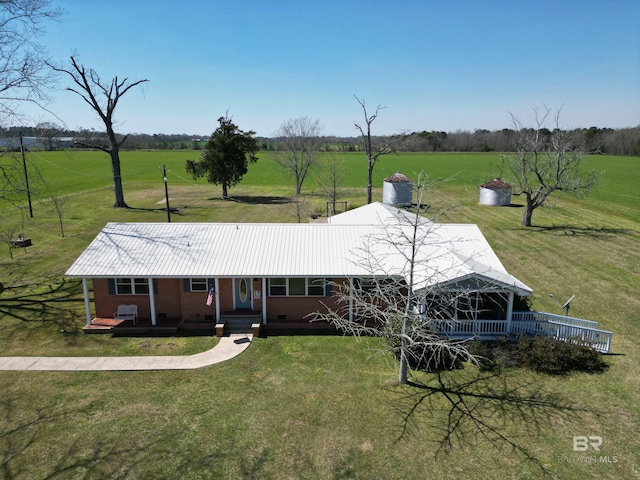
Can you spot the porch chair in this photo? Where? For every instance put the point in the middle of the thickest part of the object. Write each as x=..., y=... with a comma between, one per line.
x=127, y=312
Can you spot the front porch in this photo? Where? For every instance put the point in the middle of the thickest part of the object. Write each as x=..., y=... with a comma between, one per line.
x=144, y=327
x=230, y=323
x=522, y=323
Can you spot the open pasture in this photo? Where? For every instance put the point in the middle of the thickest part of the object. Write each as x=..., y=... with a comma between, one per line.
x=309, y=407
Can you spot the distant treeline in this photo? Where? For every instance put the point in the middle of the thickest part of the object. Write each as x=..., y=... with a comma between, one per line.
x=624, y=141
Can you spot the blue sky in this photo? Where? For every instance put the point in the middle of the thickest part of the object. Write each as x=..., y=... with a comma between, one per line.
x=434, y=65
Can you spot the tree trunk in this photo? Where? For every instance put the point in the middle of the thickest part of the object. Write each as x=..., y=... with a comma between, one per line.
x=225, y=194
x=402, y=374
x=369, y=180
x=528, y=213
x=117, y=180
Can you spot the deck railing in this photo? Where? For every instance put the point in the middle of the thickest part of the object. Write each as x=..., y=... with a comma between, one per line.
x=529, y=323
x=550, y=317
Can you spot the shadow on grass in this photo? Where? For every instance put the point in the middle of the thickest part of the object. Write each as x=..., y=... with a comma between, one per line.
x=257, y=199
x=572, y=230
x=21, y=429
x=47, y=301
x=173, y=210
x=25, y=434
x=477, y=409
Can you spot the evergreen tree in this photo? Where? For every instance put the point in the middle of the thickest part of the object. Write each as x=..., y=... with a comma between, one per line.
x=226, y=156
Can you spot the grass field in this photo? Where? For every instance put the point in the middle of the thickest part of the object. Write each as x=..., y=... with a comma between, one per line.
x=309, y=407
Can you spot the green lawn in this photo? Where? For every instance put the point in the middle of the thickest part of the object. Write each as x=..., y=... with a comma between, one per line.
x=311, y=407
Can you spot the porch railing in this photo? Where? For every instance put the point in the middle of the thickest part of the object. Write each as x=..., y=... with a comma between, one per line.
x=529, y=323
x=546, y=317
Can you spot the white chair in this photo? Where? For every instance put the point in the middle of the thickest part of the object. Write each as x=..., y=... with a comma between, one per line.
x=127, y=312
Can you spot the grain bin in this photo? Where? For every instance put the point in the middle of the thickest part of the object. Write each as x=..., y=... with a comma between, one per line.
x=495, y=193
x=397, y=190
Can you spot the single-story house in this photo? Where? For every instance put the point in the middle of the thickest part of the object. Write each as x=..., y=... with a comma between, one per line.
x=280, y=273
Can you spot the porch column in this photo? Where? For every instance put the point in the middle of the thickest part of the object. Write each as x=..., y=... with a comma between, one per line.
x=264, y=300
x=350, y=300
x=87, y=305
x=152, y=301
x=216, y=287
x=510, y=311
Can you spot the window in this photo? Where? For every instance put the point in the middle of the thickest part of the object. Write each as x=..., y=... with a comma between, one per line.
x=315, y=287
x=378, y=286
x=277, y=287
x=132, y=286
x=198, y=285
x=297, y=287
x=368, y=285
x=244, y=290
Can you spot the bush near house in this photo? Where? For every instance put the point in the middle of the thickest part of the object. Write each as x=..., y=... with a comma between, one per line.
x=540, y=354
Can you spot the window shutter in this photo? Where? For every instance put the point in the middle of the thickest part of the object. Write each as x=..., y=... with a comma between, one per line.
x=187, y=284
x=327, y=287
x=112, y=286
x=155, y=286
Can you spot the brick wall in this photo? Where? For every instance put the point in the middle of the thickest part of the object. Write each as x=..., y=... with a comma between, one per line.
x=172, y=300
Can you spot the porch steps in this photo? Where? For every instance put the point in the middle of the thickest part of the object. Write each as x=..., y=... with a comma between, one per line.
x=239, y=321
x=194, y=328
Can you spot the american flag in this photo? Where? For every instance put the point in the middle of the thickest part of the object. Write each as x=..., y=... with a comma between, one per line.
x=210, y=297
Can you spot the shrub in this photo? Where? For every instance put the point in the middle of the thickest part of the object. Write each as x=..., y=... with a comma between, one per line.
x=538, y=353
x=495, y=354
x=549, y=355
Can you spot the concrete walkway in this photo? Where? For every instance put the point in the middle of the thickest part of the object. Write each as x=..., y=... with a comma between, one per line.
x=227, y=347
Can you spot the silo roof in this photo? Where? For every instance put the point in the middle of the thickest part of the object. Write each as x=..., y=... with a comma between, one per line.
x=496, y=184
x=398, y=178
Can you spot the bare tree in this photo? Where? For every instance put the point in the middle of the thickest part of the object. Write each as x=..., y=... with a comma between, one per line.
x=24, y=75
x=58, y=204
x=103, y=98
x=546, y=161
x=330, y=180
x=374, y=147
x=392, y=304
x=301, y=205
x=299, y=141
x=8, y=235
x=48, y=132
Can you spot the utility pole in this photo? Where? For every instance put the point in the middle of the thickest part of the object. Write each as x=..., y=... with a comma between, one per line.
x=166, y=193
x=26, y=176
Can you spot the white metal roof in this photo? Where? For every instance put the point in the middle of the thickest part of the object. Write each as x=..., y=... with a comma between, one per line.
x=374, y=214
x=179, y=250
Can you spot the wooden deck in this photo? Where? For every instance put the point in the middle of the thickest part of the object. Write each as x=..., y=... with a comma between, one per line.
x=163, y=327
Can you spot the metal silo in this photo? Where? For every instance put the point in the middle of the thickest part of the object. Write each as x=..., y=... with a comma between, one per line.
x=495, y=193
x=397, y=190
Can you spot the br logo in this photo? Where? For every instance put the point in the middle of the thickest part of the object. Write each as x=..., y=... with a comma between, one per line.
x=582, y=444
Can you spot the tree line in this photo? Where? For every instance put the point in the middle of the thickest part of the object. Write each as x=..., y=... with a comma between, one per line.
x=606, y=141
x=593, y=140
